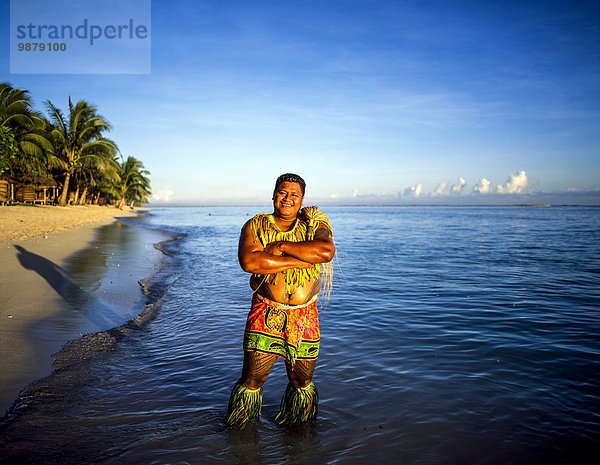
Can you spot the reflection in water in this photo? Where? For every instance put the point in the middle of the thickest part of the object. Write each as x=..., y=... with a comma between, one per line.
x=254, y=444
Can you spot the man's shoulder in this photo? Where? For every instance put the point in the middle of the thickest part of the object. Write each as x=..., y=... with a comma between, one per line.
x=256, y=221
x=256, y=218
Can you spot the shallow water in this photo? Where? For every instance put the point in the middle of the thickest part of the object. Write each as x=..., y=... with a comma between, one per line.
x=454, y=335
x=99, y=284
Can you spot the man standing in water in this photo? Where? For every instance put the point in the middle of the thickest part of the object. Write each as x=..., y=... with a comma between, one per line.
x=287, y=253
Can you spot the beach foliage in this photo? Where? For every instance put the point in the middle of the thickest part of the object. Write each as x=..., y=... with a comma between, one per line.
x=92, y=174
x=66, y=148
x=78, y=141
x=133, y=185
x=27, y=129
x=8, y=148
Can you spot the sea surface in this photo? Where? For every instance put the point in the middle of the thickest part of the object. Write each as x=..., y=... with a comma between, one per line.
x=454, y=335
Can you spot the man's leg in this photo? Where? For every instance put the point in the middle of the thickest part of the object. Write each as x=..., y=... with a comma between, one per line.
x=300, y=402
x=245, y=401
x=257, y=367
x=301, y=375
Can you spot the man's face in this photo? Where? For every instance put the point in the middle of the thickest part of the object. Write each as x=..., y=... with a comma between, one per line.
x=287, y=199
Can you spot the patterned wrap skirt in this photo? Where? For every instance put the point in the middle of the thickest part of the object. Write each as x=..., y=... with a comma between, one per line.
x=290, y=332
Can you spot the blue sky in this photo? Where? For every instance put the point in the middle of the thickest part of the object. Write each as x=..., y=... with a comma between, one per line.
x=370, y=101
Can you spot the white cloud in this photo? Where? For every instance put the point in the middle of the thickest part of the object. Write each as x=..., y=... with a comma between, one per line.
x=413, y=191
x=484, y=186
x=163, y=195
x=355, y=193
x=439, y=190
x=515, y=184
x=335, y=196
x=459, y=186
x=573, y=189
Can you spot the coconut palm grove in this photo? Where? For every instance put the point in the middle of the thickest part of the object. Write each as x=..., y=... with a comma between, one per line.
x=63, y=156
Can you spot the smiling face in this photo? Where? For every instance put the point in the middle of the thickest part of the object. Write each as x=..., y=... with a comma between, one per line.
x=287, y=200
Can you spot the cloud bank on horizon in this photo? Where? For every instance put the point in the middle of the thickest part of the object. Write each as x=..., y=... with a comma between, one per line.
x=164, y=195
x=517, y=188
x=516, y=184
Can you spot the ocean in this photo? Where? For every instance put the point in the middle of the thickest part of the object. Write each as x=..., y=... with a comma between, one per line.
x=453, y=335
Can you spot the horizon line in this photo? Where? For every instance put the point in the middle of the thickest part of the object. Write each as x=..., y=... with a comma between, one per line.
x=536, y=205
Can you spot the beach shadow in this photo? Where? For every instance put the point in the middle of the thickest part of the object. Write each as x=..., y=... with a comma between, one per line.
x=87, y=304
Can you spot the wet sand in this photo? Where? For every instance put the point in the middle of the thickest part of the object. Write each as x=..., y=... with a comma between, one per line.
x=33, y=239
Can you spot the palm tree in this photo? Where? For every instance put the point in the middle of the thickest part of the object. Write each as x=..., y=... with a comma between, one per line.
x=8, y=149
x=26, y=127
x=78, y=140
x=133, y=185
x=91, y=173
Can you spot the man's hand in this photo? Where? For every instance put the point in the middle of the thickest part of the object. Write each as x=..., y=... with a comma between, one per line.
x=321, y=249
x=274, y=248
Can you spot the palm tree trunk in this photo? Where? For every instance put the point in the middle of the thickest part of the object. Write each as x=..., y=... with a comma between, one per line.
x=63, y=197
x=121, y=203
x=83, y=196
x=76, y=198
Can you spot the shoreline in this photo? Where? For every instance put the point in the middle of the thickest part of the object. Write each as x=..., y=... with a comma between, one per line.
x=36, y=244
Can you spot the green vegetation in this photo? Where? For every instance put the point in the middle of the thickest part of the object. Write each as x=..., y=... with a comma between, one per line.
x=133, y=186
x=8, y=148
x=67, y=151
x=23, y=129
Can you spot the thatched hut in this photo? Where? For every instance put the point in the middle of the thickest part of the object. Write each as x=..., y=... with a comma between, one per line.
x=4, y=191
x=36, y=189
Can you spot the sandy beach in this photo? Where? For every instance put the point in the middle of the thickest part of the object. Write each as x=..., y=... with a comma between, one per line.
x=22, y=222
x=50, y=234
